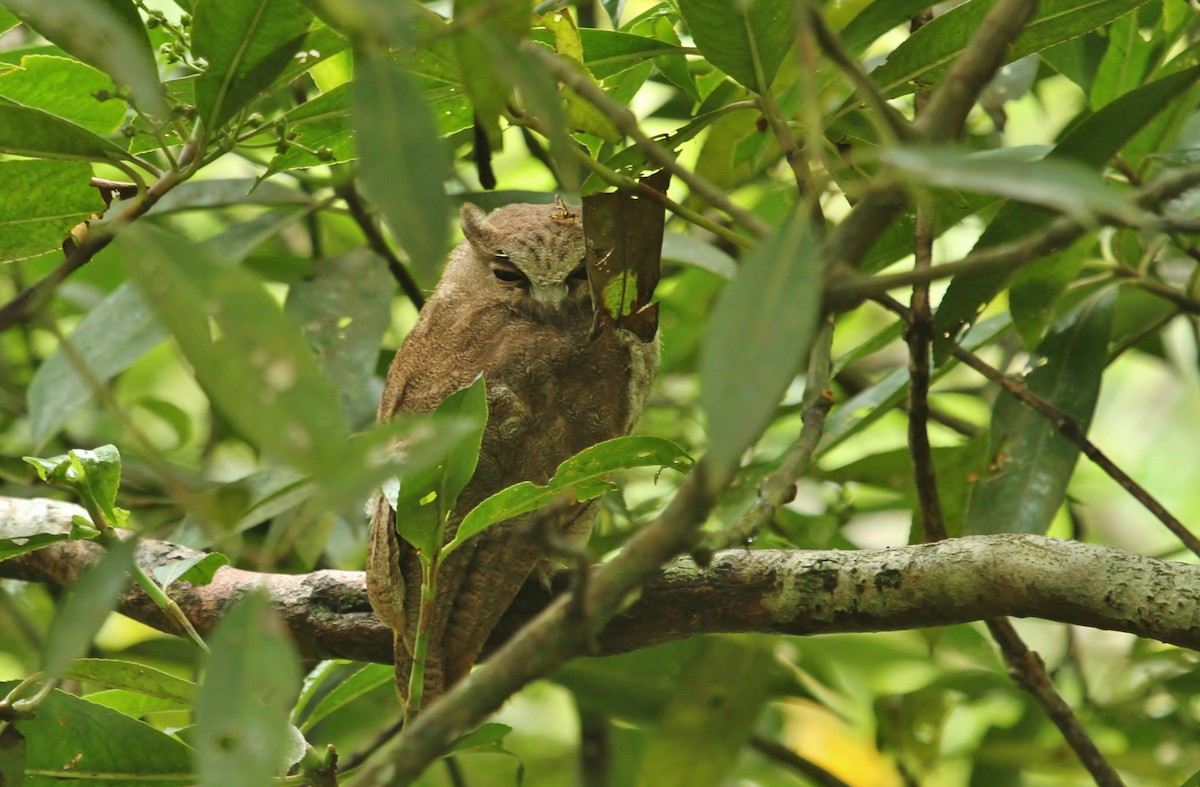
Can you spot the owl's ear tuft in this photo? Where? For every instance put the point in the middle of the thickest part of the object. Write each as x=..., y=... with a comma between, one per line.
x=474, y=227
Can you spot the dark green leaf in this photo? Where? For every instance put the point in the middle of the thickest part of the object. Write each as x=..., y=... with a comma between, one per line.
x=116, y=674
x=66, y=88
x=486, y=84
x=425, y=497
x=609, y=52
x=247, y=44
x=31, y=132
x=242, y=733
x=107, y=34
x=1125, y=62
x=758, y=340
x=582, y=477
x=1037, y=287
x=40, y=202
x=1030, y=462
x=87, y=605
x=631, y=687
x=742, y=39
x=343, y=310
x=711, y=715
x=407, y=180
x=71, y=741
x=197, y=570
x=925, y=56
x=364, y=679
x=878, y=18
x=1093, y=142
x=109, y=339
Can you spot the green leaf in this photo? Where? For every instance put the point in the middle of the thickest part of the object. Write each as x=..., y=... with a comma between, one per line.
x=487, y=85
x=116, y=674
x=406, y=181
x=710, y=717
x=609, y=52
x=133, y=703
x=758, y=339
x=1063, y=185
x=109, y=339
x=925, y=56
x=242, y=733
x=1030, y=462
x=582, y=477
x=66, y=88
x=197, y=570
x=343, y=308
x=247, y=44
x=486, y=738
x=94, y=475
x=742, y=38
x=71, y=741
x=322, y=123
x=1036, y=288
x=633, y=687
x=107, y=34
x=87, y=605
x=425, y=496
x=26, y=131
x=260, y=372
x=1125, y=62
x=1093, y=142
x=364, y=679
x=40, y=202
x=878, y=18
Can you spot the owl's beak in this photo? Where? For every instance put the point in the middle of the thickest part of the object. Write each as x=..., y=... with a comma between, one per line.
x=550, y=295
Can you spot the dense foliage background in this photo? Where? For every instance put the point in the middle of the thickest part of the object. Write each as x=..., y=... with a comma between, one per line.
x=232, y=209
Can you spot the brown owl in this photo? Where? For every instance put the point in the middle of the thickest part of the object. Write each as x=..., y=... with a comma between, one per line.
x=513, y=304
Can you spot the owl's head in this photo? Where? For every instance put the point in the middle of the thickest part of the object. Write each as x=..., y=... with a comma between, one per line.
x=533, y=256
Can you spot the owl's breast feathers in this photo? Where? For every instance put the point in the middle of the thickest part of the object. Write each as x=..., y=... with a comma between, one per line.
x=551, y=392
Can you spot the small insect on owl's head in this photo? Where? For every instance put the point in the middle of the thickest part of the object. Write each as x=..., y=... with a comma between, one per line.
x=534, y=256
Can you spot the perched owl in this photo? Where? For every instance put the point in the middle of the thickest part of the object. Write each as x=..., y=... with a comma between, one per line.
x=513, y=304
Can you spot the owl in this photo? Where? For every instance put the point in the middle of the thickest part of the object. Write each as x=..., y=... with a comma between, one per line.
x=514, y=305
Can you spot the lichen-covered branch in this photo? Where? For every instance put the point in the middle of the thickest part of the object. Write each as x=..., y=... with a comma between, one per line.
x=773, y=591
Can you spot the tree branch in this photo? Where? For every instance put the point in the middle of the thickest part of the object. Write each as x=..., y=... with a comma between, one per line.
x=793, y=592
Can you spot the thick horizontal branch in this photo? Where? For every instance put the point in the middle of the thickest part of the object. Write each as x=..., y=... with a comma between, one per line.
x=773, y=591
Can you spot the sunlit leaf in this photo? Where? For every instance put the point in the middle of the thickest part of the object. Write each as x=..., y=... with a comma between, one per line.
x=742, y=39
x=40, y=202
x=66, y=88
x=26, y=131
x=758, y=340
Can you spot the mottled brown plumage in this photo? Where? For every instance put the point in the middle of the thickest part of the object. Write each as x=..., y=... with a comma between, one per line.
x=513, y=304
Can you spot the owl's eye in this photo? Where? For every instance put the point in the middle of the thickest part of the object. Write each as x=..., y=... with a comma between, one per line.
x=506, y=272
x=579, y=274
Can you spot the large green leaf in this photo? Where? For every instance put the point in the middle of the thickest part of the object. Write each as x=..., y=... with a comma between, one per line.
x=247, y=44
x=1093, y=142
x=742, y=39
x=1125, y=62
x=108, y=34
x=1037, y=287
x=925, y=56
x=711, y=715
x=878, y=18
x=362, y=679
x=1030, y=461
x=758, y=339
x=40, y=202
x=488, y=86
x=403, y=164
x=242, y=736
x=73, y=741
x=26, y=131
x=66, y=88
x=582, y=477
x=259, y=372
x=110, y=338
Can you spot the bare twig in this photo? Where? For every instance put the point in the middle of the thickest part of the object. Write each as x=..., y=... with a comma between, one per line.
x=785, y=756
x=918, y=333
x=1028, y=671
x=370, y=229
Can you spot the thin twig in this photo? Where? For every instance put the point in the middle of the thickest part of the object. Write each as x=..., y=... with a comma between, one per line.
x=1028, y=671
x=785, y=756
x=918, y=333
x=375, y=239
x=894, y=124
x=627, y=123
